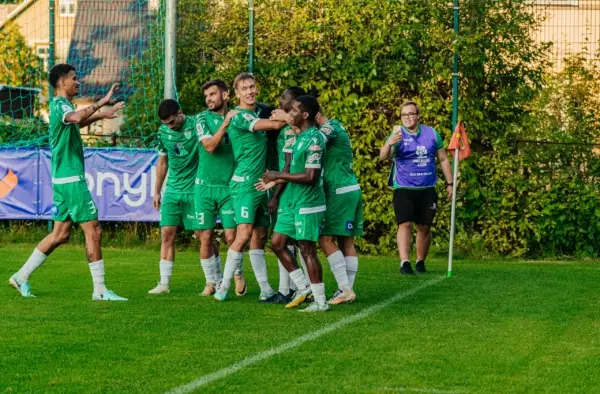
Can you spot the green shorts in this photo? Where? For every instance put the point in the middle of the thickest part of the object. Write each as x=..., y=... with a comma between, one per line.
x=344, y=216
x=299, y=226
x=249, y=205
x=73, y=200
x=211, y=202
x=178, y=209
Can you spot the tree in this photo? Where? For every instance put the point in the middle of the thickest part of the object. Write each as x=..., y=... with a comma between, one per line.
x=19, y=65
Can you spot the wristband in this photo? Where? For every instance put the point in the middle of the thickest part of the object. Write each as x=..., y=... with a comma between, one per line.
x=449, y=183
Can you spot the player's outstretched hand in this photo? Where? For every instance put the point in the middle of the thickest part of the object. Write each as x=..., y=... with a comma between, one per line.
x=270, y=176
x=108, y=99
x=112, y=113
x=263, y=186
x=156, y=202
x=279, y=115
x=230, y=115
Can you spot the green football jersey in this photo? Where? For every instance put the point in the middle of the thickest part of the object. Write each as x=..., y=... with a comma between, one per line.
x=308, y=152
x=285, y=143
x=337, y=169
x=249, y=147
x=66, y=144
x=214, y=169
x=181, y=148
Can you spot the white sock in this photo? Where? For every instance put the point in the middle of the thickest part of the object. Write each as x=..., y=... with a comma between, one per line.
x=209, y=266
x=338, y=267
x=234, y=259
x=292, y=250
x=318, y=290
x=259, y=266
x=166, y=269
x=33, y=262
x=97, y=270
x=218, y=274
x=299, y=279
x=302, y=262
x=351, y=269
x=240, y=268
x=284, y=280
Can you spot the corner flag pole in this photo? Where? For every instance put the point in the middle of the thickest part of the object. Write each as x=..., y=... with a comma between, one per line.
x=454, y=122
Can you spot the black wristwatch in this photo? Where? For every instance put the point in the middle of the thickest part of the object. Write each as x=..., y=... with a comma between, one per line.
x=449, y=183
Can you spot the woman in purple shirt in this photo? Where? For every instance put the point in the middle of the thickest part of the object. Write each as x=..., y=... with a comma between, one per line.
x=413, y=147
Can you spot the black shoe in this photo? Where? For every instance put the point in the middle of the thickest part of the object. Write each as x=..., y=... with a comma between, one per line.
x=290, y=296
x=420, y=267
x=406, y=269
x=309, y=299
x=276, y=298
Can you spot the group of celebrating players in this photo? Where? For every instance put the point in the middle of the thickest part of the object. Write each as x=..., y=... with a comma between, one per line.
x=216, y=162
x=216, y=165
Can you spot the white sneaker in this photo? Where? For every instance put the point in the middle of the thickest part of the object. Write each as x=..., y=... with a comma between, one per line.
x=342, y=298
x=314, y=307
x=160, y=289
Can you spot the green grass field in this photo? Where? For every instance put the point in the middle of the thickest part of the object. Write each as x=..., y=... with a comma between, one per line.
x=496, y=326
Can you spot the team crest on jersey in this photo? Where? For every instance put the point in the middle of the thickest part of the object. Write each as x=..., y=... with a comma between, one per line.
x=421, y=151
x=327, y=129
x=249, y=117
x=199, y=129
x=312, y=158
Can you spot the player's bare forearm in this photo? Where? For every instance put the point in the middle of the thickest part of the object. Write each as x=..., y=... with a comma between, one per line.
x=212, y=143
x=268, y=125
x=90, y=120
x=278, y=190
x=81, y=115
x=161, y=173
x=309, y=177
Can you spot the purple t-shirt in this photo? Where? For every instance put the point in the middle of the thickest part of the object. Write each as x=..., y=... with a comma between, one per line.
x=414, y=159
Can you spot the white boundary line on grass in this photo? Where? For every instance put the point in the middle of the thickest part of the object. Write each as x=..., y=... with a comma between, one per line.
x=204, y=380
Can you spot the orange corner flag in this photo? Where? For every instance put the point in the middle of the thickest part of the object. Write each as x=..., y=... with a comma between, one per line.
x=460, y=141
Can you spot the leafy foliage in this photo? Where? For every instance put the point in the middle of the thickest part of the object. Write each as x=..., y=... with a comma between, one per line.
x=364, y=58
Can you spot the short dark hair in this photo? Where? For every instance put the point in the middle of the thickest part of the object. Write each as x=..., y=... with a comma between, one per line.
x=59, y=71
x=309, y=104
x=407, y=103
x=242, y=77
x=216, y=82
x=168, y=108
x=296, y=91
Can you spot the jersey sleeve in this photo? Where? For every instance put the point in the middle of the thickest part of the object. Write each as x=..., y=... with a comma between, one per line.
x=316, y=153
x=331, y=129
x=289, y=139
x=160, y=147
x=202, y=129
x=244, y=121
x=63, y=108
x=439, y=141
